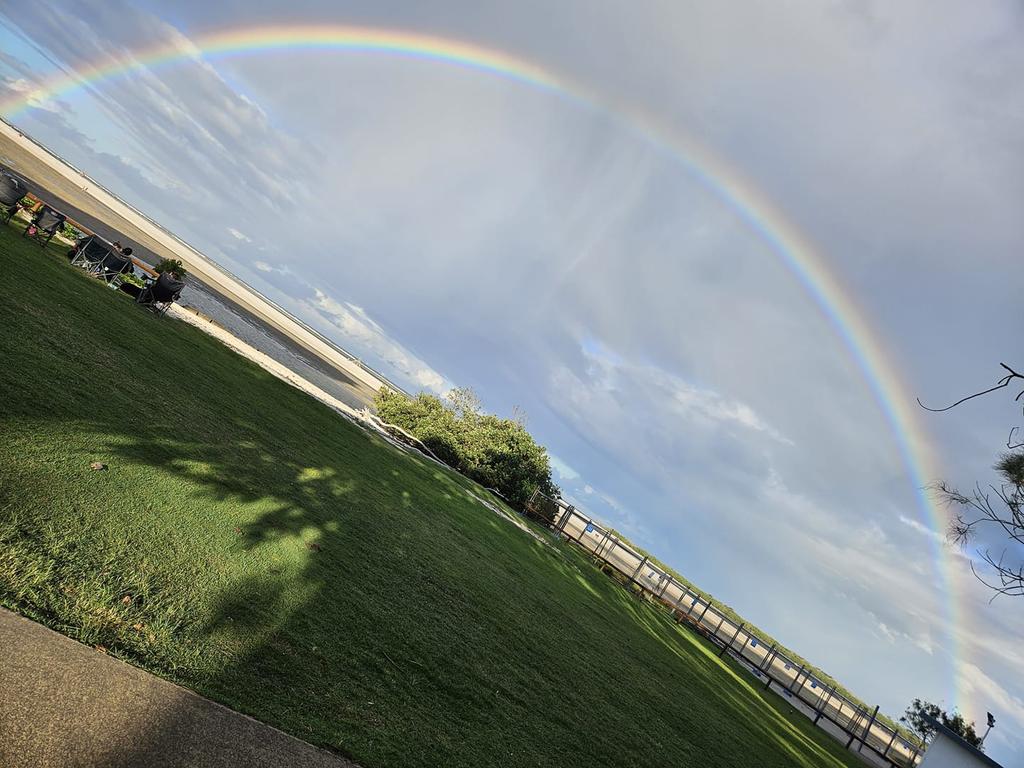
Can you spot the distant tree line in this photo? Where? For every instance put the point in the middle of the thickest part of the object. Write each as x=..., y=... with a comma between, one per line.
x=921, y=715
x=495, y=452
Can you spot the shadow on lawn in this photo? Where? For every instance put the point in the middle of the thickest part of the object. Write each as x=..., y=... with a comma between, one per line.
x=270, y=620
x=295, y=565
x=265, y=620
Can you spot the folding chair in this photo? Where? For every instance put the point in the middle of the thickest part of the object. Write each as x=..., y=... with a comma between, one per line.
x=158, y=295
x=112, y=268
x=90, y=252
x=44, y=225
x=11, y=193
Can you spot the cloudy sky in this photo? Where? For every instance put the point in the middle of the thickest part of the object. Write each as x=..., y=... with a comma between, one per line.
x=456, y=226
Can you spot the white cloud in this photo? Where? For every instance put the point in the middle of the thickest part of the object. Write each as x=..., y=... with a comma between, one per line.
x=892, y=636
x=925, y=645
x=611, y=403
x=430, y=379
x=887, y=633
x=939, y=537
x=993, y=696
x=712, y=405
x=186, y=119
x=563, y=470
x=359, y=329
x=921, y=528
x=279, y=269
x=240, y=236
x=34, y=95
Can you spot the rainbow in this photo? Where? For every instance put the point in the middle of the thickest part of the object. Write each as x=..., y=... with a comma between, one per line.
x=756, y=212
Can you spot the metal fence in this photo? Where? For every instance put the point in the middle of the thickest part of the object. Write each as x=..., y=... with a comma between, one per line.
x=845, y=720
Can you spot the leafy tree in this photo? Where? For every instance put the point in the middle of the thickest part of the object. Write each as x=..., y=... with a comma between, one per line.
x=997, y=507
x=171, y=265
x=425, y=417
x=914, y=719
x=465, y=403
x=497, y=453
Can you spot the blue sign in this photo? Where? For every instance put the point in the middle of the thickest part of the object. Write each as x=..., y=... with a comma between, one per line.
x=590, y=527
x=814, y=684
x=753, y=642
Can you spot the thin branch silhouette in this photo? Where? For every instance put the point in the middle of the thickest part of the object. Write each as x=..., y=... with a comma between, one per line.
x=1009, y=441
x=999, y=508
x=1003, y=383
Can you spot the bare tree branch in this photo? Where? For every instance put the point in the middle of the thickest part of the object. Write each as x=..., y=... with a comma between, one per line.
x=1009, y=441
x=996, y=507
x=1002, y=384
x=1001, y=577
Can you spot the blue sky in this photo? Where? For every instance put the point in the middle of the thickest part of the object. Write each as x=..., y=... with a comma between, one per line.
x=456, y=227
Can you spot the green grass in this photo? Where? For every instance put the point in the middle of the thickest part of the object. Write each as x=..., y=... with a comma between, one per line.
x=250, y=544
x=726, y=610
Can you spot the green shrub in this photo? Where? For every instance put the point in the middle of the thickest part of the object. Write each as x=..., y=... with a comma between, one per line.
x=171, y=265
x=497, y=453
x=131, y=277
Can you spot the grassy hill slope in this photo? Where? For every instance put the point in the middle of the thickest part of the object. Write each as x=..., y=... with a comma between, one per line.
x=249, y=543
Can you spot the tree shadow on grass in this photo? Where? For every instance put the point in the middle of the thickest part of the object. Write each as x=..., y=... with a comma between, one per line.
x=310, y=574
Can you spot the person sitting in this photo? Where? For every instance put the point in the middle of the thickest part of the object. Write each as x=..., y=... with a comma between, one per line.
x=80, y=243
x=169, y=283
x=163, y=292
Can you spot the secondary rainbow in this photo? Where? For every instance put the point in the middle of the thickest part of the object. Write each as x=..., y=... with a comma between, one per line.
x=754, y=209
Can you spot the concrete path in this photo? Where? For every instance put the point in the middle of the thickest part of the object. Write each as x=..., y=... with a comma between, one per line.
x=64, y=705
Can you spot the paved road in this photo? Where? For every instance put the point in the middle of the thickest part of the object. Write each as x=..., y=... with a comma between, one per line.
x=65, y=705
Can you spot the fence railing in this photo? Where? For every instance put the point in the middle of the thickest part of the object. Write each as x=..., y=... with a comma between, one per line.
x=827, y=707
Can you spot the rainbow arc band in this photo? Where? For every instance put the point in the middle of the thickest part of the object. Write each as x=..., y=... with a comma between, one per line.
x=751, y=207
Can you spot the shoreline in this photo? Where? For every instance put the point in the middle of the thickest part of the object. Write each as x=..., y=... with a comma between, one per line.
x=264, y=361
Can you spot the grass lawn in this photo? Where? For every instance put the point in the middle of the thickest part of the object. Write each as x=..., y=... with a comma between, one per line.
x=252, y=545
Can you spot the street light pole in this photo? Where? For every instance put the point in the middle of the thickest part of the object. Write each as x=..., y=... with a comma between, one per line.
x=991, y=725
